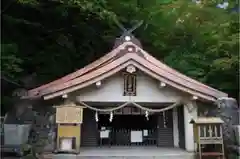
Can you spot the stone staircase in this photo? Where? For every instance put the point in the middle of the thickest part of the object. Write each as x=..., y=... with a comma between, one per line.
x=89, y=130
x=70, y=156
x=90, y=139
x=128, y=153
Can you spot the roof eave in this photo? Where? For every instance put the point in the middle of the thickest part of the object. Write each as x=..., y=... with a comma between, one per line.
x=211, y=93
x=50, y=95
x=81, y=71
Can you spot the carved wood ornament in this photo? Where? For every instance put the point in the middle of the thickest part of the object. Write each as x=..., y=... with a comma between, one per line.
x=130, y=80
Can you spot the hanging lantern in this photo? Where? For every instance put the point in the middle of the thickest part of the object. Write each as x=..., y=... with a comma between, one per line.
x=111, y=117
x=96, y=117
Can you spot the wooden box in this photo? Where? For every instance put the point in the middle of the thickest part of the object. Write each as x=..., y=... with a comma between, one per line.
x=69, y=132
x=69, y=115
x=69, y=119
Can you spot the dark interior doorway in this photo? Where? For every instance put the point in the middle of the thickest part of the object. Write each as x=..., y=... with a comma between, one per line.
x=133, y=122
x=181, y=127
x=121, y=126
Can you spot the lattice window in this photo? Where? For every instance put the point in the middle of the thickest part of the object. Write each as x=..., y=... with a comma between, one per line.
x=136, y=110
x=129, y=84
x=210, y=130
x=118, y=111
x=127, y=110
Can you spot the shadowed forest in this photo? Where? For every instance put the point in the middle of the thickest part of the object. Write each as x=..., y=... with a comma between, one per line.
x=43, y=40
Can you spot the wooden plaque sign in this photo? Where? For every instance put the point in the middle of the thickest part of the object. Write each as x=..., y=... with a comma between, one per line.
x=69, y=115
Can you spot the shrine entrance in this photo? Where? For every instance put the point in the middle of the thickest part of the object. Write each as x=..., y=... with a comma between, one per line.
x=128, y=126
x=131, y=126
x=126, y=130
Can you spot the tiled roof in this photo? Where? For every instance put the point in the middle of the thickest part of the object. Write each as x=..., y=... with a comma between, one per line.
x=125, y=54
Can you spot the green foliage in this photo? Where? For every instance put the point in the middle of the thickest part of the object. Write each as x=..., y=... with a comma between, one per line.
x=11, y=64
x=56, y=37
x=202, y=43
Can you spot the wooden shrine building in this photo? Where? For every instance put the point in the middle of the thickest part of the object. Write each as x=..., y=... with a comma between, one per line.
x=130, y=98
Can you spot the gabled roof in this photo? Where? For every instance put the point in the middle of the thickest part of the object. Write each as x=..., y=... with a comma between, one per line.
x=127, y=53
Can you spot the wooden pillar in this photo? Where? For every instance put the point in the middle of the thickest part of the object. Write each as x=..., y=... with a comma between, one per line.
x=175, y=128
x=190, y=112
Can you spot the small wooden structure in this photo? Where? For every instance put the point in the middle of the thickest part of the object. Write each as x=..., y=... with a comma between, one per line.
x=69, y=120
x=208, y=137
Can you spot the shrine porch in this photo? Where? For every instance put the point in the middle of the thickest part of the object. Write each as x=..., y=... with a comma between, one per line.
x=128, y=152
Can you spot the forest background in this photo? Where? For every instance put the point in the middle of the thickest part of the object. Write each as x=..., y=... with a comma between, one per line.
x=42, y=40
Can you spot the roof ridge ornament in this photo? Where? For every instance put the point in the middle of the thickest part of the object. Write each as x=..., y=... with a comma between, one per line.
x=127, y=34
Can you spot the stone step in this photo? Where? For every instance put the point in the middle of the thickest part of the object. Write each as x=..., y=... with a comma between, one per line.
x=70, y=156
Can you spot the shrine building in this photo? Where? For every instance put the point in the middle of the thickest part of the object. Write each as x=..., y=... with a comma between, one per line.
x=128, y=98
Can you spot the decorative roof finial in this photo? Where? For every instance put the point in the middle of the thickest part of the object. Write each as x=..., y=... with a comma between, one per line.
x=127, y=34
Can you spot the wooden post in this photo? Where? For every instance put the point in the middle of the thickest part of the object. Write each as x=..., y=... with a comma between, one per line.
x=188, y=115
